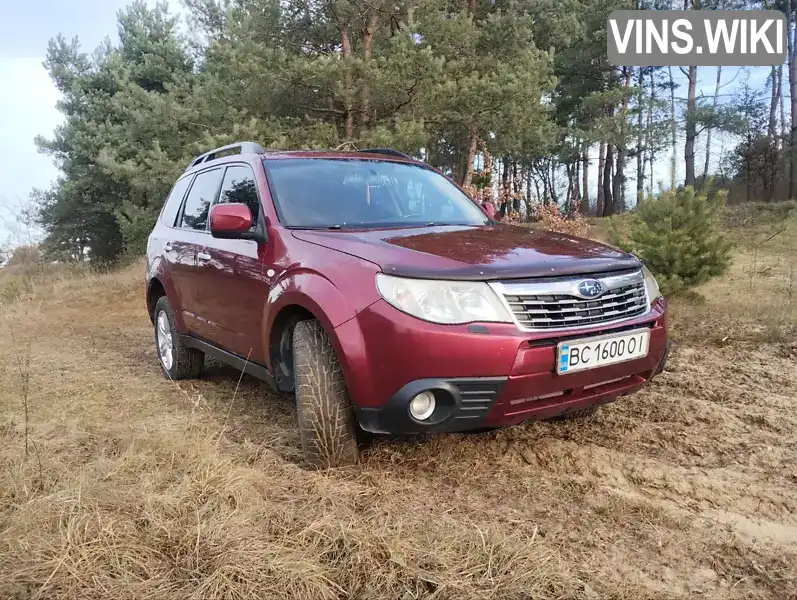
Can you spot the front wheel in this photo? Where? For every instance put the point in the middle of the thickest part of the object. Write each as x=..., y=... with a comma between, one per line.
x=326, y=420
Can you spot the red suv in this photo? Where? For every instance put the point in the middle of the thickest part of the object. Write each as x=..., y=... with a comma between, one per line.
x=371, y=286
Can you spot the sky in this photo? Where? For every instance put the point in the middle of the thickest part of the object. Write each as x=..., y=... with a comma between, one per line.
x=28, y=97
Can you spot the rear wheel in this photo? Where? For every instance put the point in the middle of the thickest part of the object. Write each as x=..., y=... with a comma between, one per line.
x=177, y=360
x=326, y=420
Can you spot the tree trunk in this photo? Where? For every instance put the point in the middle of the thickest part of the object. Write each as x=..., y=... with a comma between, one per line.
x=772, y=122
x=640, y=137
x=516, y=188
x=793, y=101
x=649, y=130
x=528, y=185
x=708, y=130
x=772, y=129
x=570, y=192
x=504, y=187
x=601, y=169
x=368, y=42
x=540, y=196
x=346, y=43
x=673, y=132
x=747, y=171
x=691, y=129
x=608, y=202
x=576, y=183
x=781, y=143
x=585, y=179
x=466, y=173
x=622, y=147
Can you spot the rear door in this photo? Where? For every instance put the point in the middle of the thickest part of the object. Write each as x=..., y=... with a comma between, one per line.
x=165, y=242
x=233, y=299
x=192, y=236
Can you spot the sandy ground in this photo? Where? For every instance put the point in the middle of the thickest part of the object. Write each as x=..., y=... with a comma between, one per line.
x=135, y=487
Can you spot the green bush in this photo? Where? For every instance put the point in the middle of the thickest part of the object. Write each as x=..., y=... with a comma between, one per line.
x=677, y=236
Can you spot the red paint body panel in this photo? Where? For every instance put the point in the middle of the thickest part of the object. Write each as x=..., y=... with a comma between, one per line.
x=383, y=349
x=231, y=292
x=480, y=253
x=234, y=218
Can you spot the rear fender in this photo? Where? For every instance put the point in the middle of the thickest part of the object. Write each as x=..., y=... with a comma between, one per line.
x=156, y=273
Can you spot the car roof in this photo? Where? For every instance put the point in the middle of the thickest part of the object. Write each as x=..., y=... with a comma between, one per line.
x=287, y=154
x=336, y=154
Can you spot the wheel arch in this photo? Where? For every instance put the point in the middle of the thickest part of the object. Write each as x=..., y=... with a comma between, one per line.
x=304, y=295
x=155, y=291
x=158, y=286
x=280, y=343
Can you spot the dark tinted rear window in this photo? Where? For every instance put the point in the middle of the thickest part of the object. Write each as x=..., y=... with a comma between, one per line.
x=172, y=205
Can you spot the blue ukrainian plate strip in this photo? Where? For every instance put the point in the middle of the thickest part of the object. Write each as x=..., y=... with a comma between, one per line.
x=564, y=358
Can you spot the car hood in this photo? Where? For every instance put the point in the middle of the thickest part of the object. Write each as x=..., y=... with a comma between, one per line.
x=473, y=253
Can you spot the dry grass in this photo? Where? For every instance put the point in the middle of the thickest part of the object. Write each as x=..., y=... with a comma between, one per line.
x=756, y=302
x=134, y=487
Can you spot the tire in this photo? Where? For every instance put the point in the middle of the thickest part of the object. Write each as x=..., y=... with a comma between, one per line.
x=326, y=421
x=185, y=363
x=578, y=414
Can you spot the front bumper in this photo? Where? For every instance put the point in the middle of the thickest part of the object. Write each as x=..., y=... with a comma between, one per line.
x=485, y=376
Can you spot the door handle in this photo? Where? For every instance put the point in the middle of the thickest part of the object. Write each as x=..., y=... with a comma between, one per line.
x=204, y=256
x=167, y=247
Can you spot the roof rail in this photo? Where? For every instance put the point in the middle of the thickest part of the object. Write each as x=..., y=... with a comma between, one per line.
x=242, y=147
x=386, y=151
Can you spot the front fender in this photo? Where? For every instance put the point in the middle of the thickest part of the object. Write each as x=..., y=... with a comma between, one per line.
x=319, y=296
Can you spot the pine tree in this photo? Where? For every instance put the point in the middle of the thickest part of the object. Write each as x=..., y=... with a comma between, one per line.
x=677, y=237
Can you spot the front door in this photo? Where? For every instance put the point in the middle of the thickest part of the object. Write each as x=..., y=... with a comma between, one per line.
x=234, y=297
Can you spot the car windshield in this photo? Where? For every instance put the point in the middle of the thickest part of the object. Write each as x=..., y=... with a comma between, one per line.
x=338, y=193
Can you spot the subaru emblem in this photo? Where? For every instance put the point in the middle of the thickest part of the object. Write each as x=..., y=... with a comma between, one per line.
x=590, y=288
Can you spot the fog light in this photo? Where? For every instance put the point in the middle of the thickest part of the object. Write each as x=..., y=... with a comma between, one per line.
x=422, y=406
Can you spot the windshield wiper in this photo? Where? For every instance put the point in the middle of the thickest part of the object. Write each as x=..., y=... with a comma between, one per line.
x=313, y=227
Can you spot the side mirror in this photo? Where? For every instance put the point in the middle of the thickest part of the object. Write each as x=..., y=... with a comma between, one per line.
x=233, y=222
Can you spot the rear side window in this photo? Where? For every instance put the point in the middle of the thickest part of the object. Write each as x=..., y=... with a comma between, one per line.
x=239, y=186
x=201, y=196
x=172, y=205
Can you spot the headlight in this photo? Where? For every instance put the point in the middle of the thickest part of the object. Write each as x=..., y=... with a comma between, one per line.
x=651, y=287
x=445, y=302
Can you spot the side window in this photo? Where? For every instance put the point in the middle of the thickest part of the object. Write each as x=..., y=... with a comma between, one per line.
x=172, y=205
x=239, y=186
x=201, y=196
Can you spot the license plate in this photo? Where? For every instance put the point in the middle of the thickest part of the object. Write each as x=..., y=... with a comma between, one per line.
x=600, y=351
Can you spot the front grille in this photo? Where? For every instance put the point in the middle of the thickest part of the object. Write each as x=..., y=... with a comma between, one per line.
x=556, y=304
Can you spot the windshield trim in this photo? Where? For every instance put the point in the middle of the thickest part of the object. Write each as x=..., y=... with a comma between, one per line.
x=267, y=163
